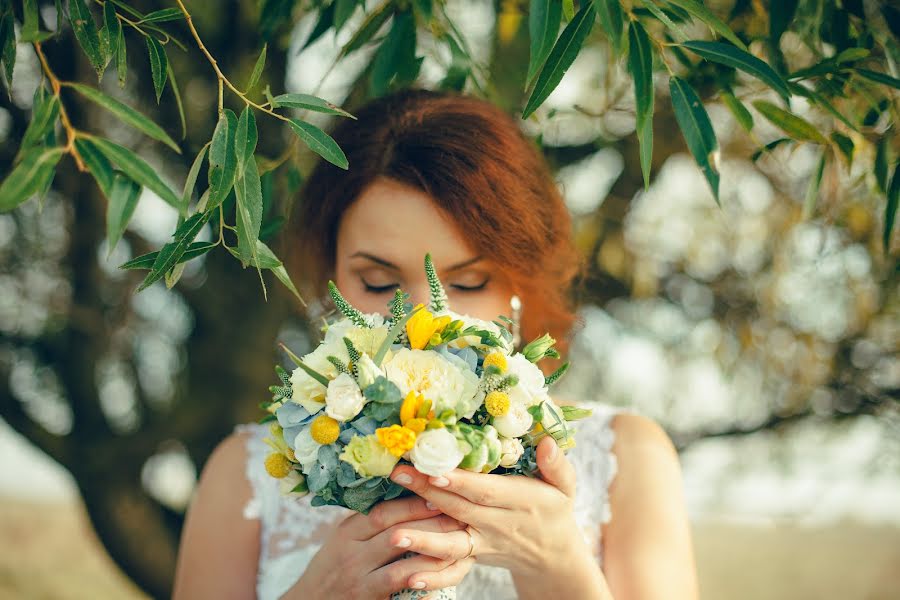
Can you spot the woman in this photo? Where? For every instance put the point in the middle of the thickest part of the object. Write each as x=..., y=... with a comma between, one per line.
x=453, y=176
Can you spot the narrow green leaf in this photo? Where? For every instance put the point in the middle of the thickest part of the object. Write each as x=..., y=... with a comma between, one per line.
x=543, y=26
x=161, y=16
x=170, y=254
x=796, y=127
x=121, y=59
x=715, y=24
x=396, y=57
x=320, y=142
x=768, y=148
x=31, y=25
x=820, y=101
x=309, y=102
x=640, y=64
x=29, y=176
x=8, y=46
x=265, y=256
x=890, y=209
x=844, y=145
x=145, y=261
x=257, y=68
x=879, y=77
x=613, y=22
x=285, y=279
x=177, y=93
x=158, y=65
x=739, y=59
x=781, y=13
x=812, y=192
x=737, y=108
x=424, y=8
x=343, y=10
x=460, y=66
x=222, y=159
x=191, y=182
x=323, y=24
x=882, y=158
x=43, y=118
x=98, y=165
x=136, y=168
x=676, y=31
x=126, y=114
x=568, y=9
x=122, y=200
x=85, y=30
x=368, y=28
x=111, y=33
x=697, y=130
x=248, y=211
x=245, y=139
x=561, y=57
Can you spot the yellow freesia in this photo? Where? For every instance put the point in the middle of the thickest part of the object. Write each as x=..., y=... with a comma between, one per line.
x=422, y=326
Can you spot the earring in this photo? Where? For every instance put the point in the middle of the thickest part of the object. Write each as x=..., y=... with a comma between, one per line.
x=515, y=304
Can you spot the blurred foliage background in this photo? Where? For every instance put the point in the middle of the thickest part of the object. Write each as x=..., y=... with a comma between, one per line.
x=759, y=324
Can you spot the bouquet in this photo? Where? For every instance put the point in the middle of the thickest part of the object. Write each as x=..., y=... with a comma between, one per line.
x=424, y=385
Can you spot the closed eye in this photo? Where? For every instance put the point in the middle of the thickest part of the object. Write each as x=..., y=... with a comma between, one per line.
x=380, y=289
x=469, y=288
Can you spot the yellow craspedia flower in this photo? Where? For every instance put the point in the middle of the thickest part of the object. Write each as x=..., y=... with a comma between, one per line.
x=417, y=425
x=422, y=326
x=396, y=438
x=495, y=359
x=324, y=430
x=277, y=465
x=497, y=403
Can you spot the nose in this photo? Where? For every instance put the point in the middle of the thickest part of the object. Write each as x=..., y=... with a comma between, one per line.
x=419, y=292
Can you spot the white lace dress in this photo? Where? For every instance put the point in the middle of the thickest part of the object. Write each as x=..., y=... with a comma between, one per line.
x=291, y=531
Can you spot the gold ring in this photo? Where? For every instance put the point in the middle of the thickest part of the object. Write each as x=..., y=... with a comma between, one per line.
x=471, y=543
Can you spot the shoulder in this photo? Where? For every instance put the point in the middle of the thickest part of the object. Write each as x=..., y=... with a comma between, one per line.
x=643, y=442
x=216, y=538
x=648, y=465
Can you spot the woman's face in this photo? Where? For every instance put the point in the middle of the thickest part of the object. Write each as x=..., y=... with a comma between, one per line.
x=381, y=245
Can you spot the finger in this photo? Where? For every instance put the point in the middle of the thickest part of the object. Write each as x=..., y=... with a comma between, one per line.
x=499, y=491
x=555, y=468
x=385, y=515
x=452, y=545
x=395, y=576
x=385, y=546
x=435, y=580
x=447, y=502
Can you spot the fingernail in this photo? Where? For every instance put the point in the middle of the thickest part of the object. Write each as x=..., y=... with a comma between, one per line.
x=419, y=585
x=440, y=481
x=403, y=479
x=430, y=505
x=404, y=543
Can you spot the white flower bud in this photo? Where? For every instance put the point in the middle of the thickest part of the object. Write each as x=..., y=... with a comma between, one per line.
x=436, y=452
x=343, y=400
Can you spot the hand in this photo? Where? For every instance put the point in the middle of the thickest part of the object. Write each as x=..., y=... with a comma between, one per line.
x=524, y=524
x=359, y=561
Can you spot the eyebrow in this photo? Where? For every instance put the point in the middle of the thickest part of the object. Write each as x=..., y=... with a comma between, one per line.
x=390, y=265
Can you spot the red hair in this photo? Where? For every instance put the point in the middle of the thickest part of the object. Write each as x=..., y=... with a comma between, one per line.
x=480, y=169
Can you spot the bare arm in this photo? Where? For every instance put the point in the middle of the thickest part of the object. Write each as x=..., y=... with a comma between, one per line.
x=219, y=549
x=647, y=551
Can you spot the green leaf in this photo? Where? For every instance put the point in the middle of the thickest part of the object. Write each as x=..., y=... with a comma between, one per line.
x=890, y=209
x=309, y=102
x=111, y=34
x=43, y=118
x=640, y=64
x=882, y=158
x=222, y=159
x=561, y=57
x=737, y=108
x=343, y=10
x=543, y=26
x=739, y=59
x=31, y=25
x=613, y=22
x=177, y=93
x=86, y=33
x=245, y=139
x=781, y=14
x=136, y=168
x=126, y=114
x=8, y=46
x=320, y=142
x=368, y=28
x=170, y=254
x=121, y=59
x=844, y=145
x=248, y=211
x=191, y=180
x=460, y=66
x=145, y=261
x=768, y=148
x=820, y=101
x=395, y=62
x=323, y=24
x=812, y=192
x=97, y=164
x=568, y=8
x=697, y=130
x=676, y=31
x=285, y=279
x=161, y=16
x=879, y=77
x=29, y=176
x=715, y=24
x=257, y=69
x=796, y=127
x=158, y=65
x=122, y=200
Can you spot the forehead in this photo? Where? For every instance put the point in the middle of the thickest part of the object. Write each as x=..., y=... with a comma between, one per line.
x=400, y=223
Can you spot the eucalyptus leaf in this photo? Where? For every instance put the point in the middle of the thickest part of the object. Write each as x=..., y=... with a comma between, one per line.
x=257, y=68
x=222, y=158
x=158, y=65
x=308, y=102
x=640, y=65
x=796, y=127
x=145, y=261
x=739, y=59
x=171, y=253
x=697, y=130
x=248, y=211
x=111, y=34
x=126, y=114
x=561, y=57
x=136, y=168
x=97, y=163
x=738, y=110
x=85, y=30
x=320, y=142
x=245, y=139
x=543, y=26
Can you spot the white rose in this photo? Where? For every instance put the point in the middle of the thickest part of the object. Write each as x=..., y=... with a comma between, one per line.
x=511, y=450
x=446, y=384
x=436, y=452
x=307, y=391
x=530, y=389
x=288, y=483
x=306, y=450
x=343, y=400
x=367, y=371
x=516, y=422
